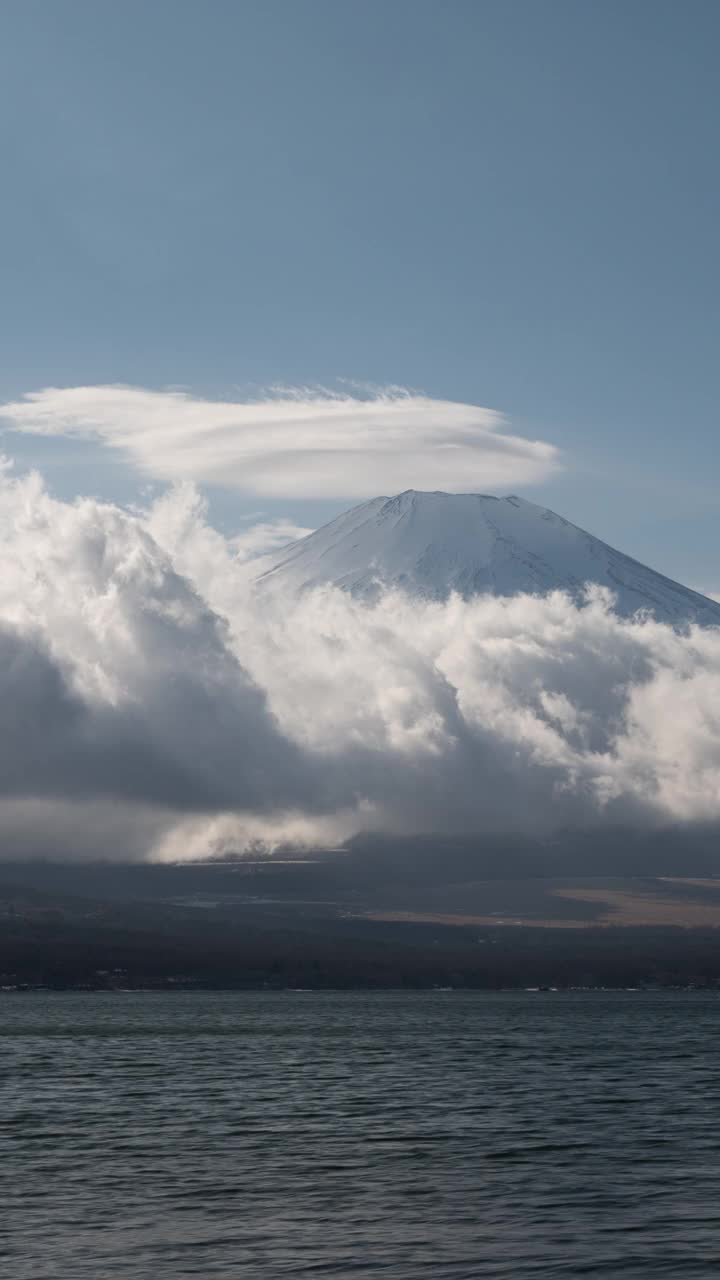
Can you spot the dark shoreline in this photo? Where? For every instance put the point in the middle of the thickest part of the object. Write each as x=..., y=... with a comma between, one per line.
x=396, y=957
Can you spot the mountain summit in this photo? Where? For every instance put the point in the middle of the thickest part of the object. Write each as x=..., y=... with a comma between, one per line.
x=432, y=544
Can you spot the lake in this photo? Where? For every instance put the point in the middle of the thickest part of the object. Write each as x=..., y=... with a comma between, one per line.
x=151, y=1136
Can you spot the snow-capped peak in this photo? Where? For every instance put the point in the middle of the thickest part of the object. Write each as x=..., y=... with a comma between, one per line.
x=433, y=544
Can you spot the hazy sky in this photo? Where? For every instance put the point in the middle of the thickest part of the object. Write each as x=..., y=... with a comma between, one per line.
x=506, y=203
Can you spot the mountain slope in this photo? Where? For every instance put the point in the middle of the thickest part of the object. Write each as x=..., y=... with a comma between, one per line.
x=432, y=544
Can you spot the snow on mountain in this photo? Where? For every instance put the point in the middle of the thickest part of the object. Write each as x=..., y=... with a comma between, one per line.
x=432, y=544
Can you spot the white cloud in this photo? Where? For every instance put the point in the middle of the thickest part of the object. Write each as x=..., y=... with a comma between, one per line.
x=301, y=444
x=152, y=704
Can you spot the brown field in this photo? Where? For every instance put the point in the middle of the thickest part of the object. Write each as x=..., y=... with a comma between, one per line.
x=628, y=908
x=670, y=901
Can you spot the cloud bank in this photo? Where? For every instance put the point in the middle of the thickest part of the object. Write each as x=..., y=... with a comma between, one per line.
x=153, y=706
x=302, y=444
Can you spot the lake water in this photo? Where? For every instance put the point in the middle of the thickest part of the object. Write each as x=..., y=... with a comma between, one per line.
x=152, y=1136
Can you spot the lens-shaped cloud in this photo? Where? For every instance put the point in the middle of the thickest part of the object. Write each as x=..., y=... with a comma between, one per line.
x=302, y=444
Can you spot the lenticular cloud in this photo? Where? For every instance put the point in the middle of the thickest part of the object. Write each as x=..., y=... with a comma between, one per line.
x=305, y=442
x=154, y=705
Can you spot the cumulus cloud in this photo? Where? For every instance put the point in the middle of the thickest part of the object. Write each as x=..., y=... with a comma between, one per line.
x=155, y=705
x=294, y=444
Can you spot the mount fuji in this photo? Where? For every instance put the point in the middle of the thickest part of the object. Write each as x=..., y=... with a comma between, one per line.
x=433, y=544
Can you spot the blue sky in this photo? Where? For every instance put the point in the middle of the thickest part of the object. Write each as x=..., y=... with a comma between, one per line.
x=509, y=204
